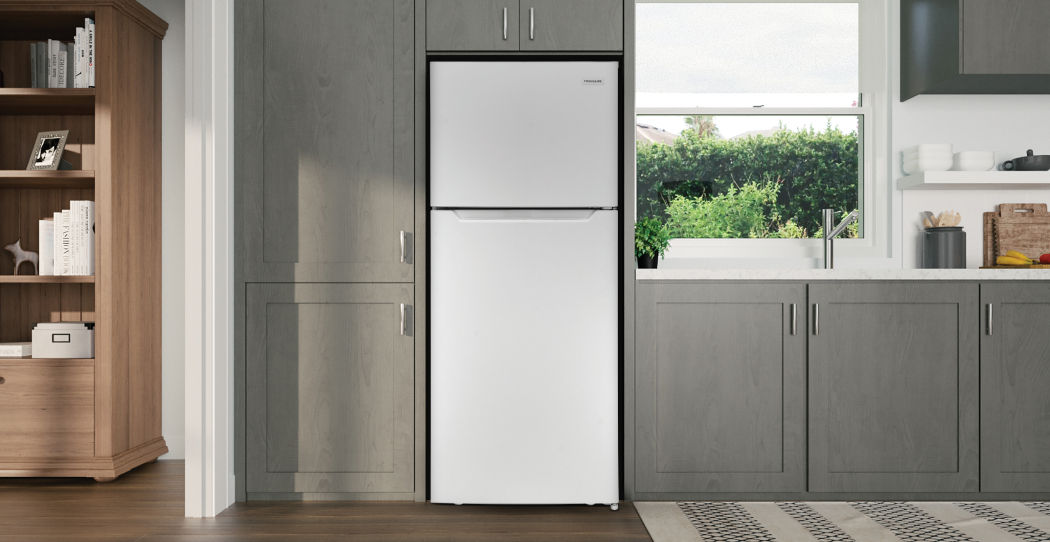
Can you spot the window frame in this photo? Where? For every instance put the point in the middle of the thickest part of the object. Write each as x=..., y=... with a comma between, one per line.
x=873, y=116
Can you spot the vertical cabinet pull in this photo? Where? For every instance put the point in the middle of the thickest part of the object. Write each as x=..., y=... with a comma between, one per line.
x=794, y=322
x=989, y=318
x=402, y=318
x=532, y=24
x=402, y=246
x=816, y=319
x=504, y=23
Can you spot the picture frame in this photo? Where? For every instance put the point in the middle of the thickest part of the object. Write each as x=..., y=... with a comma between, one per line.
x=47, y=151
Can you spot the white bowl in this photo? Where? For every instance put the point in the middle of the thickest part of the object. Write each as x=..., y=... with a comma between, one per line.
x=928, y=147
x=930, y=164
x=973, y=161
x=927, y=155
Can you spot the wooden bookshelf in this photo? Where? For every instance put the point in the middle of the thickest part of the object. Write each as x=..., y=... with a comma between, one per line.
x=47, y=101
x=99, y=417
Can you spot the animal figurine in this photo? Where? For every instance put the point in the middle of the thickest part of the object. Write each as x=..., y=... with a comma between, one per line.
x=23, y=256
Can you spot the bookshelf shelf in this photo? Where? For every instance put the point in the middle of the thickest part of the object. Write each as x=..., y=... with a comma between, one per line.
x=48, y=362
x=47, y=101
x=47, y=179
x=34, y=279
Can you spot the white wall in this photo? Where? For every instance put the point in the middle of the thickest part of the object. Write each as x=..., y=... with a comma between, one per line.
x=173, y=221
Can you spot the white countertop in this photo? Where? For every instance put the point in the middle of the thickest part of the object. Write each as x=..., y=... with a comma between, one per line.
x=843, y=274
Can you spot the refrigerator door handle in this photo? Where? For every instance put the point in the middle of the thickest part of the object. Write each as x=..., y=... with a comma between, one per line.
x=524, y=215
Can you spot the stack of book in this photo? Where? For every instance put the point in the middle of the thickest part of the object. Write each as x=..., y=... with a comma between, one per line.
x=55, y=64
x=67, y=241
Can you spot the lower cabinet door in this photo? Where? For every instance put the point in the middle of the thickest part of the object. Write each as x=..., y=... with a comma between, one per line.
x=1015, y=387
x=720, y=388
x=893, y=387
x=47, y=409
x=329, y=395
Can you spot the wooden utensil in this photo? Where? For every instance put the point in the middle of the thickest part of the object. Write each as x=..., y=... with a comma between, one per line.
x=949, y=219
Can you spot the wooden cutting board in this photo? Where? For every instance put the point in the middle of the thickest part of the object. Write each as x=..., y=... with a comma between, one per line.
x=1024, y=227
x=1032, y=266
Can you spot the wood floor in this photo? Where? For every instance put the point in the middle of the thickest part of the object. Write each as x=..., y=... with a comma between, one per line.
x=147, y=505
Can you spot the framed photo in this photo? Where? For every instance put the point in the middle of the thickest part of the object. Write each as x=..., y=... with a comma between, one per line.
x=47, y=153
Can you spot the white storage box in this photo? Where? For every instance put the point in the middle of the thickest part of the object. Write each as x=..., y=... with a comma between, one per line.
x=65, y=340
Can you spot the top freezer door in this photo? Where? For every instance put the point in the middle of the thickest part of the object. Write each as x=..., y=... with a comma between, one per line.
x=524, y=134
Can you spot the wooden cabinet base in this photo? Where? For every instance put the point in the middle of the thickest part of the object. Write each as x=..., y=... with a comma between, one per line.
x=102, y=469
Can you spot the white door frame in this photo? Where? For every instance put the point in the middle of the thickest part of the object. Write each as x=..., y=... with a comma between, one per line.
x=209, y=257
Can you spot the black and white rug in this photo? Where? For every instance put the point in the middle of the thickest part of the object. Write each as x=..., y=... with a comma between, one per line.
x=866, y=521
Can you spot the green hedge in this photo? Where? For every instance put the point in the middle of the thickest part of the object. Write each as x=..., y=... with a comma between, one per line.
x=814, y=170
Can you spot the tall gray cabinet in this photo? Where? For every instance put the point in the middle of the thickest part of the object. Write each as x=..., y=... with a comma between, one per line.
x=326, y=204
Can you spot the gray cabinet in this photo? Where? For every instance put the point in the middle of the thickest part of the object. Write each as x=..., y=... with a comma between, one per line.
x=974, y=47
x=525, y=25
x=1015, y=387
x=893, y=387
x=325, y=149
x=571, y=25
x=329, y=389
x=472, y=25
x=720, y=388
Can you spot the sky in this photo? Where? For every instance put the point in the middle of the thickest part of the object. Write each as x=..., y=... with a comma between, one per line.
x=746, y=55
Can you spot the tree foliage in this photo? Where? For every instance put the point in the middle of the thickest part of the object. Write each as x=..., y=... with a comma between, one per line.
x=811, y=171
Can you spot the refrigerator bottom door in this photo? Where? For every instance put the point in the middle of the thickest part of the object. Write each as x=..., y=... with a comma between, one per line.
x=524, y=344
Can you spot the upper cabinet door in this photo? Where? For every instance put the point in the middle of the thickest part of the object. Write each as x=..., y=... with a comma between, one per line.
x=472, y=25
x=325, y=152
x=1005, y=37
x=571, y=25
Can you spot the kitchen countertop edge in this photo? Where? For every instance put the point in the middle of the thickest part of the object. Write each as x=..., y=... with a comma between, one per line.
x=842, y=274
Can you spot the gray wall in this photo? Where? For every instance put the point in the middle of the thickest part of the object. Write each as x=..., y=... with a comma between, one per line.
x=172, y=251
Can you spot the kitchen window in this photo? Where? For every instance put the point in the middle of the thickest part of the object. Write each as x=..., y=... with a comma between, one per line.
x=752, y=117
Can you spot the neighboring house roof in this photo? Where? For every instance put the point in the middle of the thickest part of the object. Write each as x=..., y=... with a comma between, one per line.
x=750, y=133
x=643, y=133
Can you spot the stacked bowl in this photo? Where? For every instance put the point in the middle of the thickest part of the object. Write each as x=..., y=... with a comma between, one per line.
x=928, y=157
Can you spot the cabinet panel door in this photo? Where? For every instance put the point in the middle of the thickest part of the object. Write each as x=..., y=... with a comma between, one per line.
x=893, y=387
x=472, y=25
x=1005, y=37
x=1015, y=387
x=325, y=155
x=720, y=388
x=571, y=25
x=48, y=410
x=329, y=372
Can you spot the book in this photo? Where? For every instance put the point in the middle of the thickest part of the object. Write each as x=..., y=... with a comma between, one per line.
x=76, y=59
x=16, y=350
x=74, y=237
x=52, y=64
x=89, y=25
x=47, y=247
x=41, y=64
x=81, y=56
x=56, y=251
x=89, y=237
x=66, y=255
x=62, y=66
x=32, y=65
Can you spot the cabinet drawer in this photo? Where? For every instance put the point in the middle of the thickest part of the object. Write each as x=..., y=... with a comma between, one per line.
x=48, y=409
x=472, y=25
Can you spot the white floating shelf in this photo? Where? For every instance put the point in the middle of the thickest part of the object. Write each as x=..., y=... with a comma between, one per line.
x=976, y=180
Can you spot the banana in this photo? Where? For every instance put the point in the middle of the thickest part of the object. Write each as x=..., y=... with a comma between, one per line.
x=1018, y=255
x=1010, y=260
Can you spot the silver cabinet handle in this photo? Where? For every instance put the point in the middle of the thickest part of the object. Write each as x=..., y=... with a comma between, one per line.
x=989, y=318
x=402, y=246
x=532, y=24
x=816, y=319
x=504, y=23
x=794, y=322
x=402, y=318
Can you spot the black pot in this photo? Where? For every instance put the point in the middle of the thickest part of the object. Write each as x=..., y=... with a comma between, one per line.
x=646, y=261
x=1028, y=163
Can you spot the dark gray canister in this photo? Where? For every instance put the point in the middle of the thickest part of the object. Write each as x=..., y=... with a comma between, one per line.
x=944, y=248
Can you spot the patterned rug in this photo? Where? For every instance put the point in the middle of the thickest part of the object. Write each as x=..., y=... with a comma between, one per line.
x=846, y=521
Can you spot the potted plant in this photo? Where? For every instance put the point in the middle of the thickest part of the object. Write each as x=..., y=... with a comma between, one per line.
x=650, y=242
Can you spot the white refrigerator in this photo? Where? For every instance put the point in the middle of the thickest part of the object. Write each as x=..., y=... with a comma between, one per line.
x=524, y=298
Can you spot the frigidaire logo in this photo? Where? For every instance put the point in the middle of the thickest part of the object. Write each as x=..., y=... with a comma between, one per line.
x=593, y=81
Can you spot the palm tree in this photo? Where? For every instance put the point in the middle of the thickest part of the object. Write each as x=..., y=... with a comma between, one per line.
x=703, y=125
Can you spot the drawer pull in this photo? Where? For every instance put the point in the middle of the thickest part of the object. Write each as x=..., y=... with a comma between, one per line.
x=2, y=380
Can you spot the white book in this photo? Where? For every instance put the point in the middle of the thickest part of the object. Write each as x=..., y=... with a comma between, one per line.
x=76, y=59
x=16, y=350
x=52, y=64
x=89, y=238
x=61, y=65
x=32, y=65
x=74, y=237
x=81, y=58
x=56, y=251
x=89, y=25
x=47, y=247
x=67, y=245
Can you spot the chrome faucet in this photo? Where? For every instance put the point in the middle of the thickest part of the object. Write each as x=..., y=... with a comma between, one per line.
x=830, y=234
